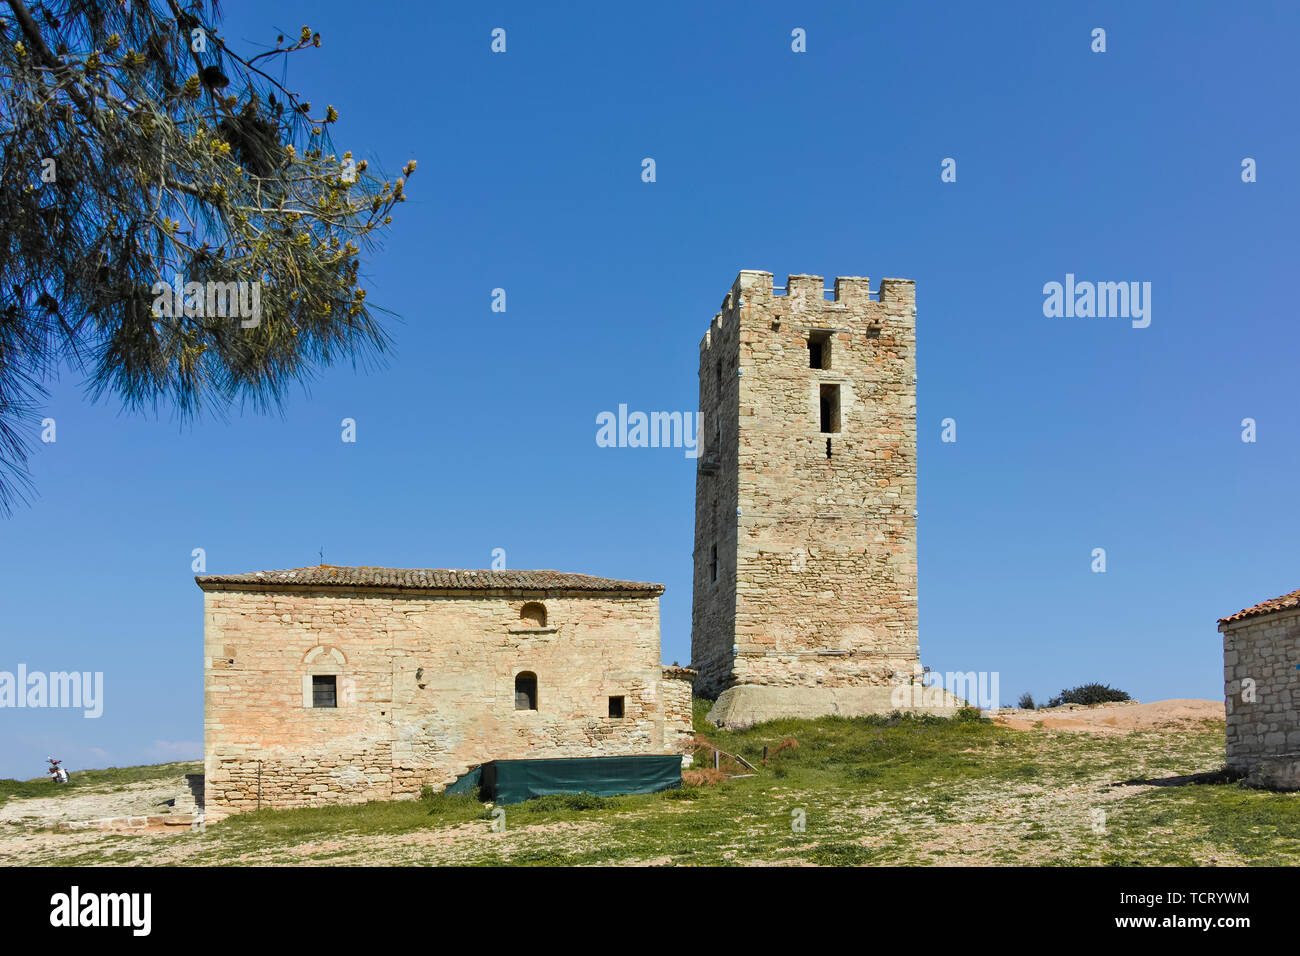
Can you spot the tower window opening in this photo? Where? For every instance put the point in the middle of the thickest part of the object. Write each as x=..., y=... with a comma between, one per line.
x=830, y=409
x=819, y=350
x=713, y=563
x=828, y=448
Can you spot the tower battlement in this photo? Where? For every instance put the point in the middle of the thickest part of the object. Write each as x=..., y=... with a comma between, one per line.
x=804, y=296
x=805, y=546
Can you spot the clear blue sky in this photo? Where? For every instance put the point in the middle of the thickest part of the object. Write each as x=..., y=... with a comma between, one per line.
x=479, y=432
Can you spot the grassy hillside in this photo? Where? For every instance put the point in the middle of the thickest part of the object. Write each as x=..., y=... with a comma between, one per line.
x=79, y=781
x=870, y=791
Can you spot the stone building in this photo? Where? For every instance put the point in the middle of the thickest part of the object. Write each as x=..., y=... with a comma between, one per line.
x=1261, y=690
x=335, y=685
x=805, y=596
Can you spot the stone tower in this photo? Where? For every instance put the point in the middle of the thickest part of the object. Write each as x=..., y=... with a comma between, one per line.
x=805, y=533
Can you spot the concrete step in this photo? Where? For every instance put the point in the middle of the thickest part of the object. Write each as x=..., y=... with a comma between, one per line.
x=129, y=824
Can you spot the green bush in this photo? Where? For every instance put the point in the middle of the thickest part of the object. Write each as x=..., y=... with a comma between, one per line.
x=1026, y=701
x=682, y=793
x=1088, y=694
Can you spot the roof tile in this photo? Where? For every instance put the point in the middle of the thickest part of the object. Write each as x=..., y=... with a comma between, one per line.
x=426, y=579
x=1283, y=603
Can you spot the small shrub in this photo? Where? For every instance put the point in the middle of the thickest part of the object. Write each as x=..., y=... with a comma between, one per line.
x=1089, y=694
x=682, y=793
x=704, y=777
x=1026, y=701
x=968, y=715
x=841, y=854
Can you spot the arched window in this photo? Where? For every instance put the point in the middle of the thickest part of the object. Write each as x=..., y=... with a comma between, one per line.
x=526, y=691
x=533, y=614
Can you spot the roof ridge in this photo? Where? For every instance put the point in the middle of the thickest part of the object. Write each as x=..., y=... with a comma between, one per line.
x=1283, y=602
x=438, y=579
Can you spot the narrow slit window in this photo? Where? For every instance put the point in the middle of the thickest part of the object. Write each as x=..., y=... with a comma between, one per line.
x=828, y=448
x=616, y=707
x=324, y=691
x=819, y=350
x=713, y=563
x=830, y=409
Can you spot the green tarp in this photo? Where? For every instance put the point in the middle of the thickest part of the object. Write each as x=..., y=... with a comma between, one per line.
x=514, y=781
x=469, y=783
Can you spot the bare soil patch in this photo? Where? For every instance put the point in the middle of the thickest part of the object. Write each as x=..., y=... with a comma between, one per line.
x=1119, y=718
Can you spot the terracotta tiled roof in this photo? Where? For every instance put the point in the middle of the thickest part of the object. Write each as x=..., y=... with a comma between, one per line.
x=427, y=579
x=675, y=672
x=1285, y=602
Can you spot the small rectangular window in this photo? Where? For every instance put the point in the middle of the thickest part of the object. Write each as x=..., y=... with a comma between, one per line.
x=526, y=691
x=713, y=563
x=830, y=409
x=819, y=350
x=324, y=690
x=616, y=707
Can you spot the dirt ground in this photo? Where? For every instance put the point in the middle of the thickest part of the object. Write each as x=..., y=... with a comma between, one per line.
x=1119, y=718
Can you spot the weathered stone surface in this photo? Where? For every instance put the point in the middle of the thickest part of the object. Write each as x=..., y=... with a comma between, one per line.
x=425, y=687
x=811, y=531
x=746, y=704
x=1281, y=773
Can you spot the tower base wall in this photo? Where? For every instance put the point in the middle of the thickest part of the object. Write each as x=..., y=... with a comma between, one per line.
x=747, y=704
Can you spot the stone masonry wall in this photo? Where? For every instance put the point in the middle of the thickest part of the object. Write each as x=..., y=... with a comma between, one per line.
x=1264, y=650
x=679, y=729
x=820, y=562
x=713, y=605
x=425, y=687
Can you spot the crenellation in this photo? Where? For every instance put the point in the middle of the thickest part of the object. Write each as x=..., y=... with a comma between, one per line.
x=899, y=293
x=852, y=290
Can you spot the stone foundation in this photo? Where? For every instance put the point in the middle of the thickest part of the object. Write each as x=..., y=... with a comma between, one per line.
x=1279, y=773
x=745, y=705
